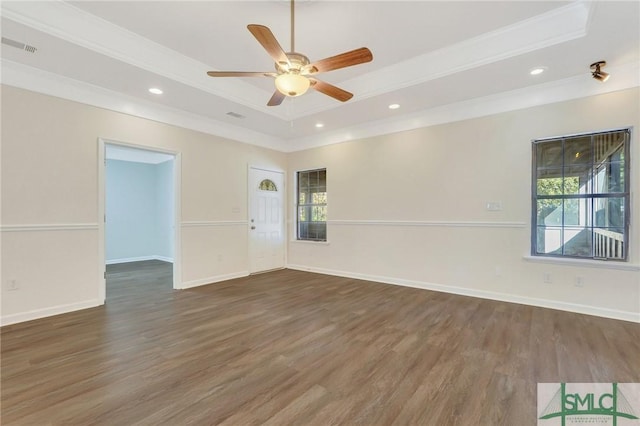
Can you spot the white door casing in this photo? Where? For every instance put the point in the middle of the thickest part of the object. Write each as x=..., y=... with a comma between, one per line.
x=177, y=239
x=266, y=220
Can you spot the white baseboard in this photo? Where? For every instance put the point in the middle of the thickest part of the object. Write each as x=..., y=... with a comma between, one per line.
x=139, y=259
x=47, y=312
x=212, y=280
x=501, y=297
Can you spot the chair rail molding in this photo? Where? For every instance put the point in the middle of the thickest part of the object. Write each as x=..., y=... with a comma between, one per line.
x=49, y=227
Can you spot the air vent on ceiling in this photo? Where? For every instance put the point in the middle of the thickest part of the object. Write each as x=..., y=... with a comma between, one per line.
x=235, y=114
x=19, y=45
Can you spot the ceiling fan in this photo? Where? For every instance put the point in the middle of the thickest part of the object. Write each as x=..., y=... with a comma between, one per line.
x=295, y=73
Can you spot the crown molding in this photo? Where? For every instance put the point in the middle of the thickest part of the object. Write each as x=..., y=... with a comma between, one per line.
x=626, y=77
x=65, y=21
x=18, y=75
x=37, y=80
x=69, y=23
x=557, y=26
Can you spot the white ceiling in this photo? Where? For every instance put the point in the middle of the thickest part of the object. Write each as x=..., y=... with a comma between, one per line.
x=440, y=61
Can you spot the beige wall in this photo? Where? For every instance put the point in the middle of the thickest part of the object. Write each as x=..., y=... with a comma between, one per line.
x=440, y=179
x=50, y=199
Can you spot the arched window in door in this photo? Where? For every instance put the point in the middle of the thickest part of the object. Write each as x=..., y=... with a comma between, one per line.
x=268, y=185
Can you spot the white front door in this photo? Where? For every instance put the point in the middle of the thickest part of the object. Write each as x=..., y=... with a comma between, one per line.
x=266, y=220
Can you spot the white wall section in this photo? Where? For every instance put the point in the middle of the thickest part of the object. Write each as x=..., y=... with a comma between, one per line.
x=50, y=181
x=406, y=208
x=410, y=208
x=139, y=211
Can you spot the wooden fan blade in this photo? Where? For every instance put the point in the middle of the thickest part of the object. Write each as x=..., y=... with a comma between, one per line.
x=266, y=38
x=347, y=59
x=239, y=74
x=276, y=99
x=330, y=90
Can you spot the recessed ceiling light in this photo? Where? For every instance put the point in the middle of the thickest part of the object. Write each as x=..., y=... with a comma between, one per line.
x=155, y=91
x=319, y=125
x=394, y=106
x=537, y=71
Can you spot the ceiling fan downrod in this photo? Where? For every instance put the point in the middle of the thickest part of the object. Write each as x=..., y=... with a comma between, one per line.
x=293, y=26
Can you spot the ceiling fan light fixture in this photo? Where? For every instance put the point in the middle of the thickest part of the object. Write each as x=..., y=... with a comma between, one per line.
x=292, y=84
x=597, y=73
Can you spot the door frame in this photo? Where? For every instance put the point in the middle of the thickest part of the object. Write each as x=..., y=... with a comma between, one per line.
x=102, y=162
x=285, y=214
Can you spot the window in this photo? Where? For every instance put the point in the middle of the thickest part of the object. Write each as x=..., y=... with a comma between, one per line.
x=580, y=196
x=312, y=205
x=268, y=185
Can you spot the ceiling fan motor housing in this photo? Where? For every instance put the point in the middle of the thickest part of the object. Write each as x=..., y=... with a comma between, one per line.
x=297, y=62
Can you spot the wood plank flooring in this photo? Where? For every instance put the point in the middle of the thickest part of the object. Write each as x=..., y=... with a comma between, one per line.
x=292, y=347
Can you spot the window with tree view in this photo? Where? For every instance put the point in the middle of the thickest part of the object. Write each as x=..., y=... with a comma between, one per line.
x=312, y=205
x=580, y=196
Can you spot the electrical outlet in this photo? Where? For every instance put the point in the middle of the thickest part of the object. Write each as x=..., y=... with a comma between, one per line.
x=546, y=278
x=579, y=282
x=12, y=285
x=494, y=206
x=498, y=271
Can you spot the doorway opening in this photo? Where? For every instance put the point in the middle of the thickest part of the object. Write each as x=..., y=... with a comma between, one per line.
x=139, y=209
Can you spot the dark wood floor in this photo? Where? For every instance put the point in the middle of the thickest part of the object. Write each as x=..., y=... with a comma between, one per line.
x=292, y=347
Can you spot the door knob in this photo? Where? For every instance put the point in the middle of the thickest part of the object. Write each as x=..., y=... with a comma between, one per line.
x=253, y=227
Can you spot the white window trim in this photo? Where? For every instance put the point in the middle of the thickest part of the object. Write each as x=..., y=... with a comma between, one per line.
x=585, y=263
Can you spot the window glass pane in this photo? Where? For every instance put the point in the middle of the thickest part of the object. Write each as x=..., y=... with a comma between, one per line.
x=549, y=182
x=322, y=178
x=577, y=180
x=549, y=154
x=303, y=180
x=608, y=243
x=319, y=198
x=549, y=240
x=608, y=145
x=577, y=150
x=577, y=212
x=312, y=231
x=303, y=230
x=609, y=178
x=268, y=185
x=549, y=212
x=609, y=212
x=319, y=214
x=577, y=241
